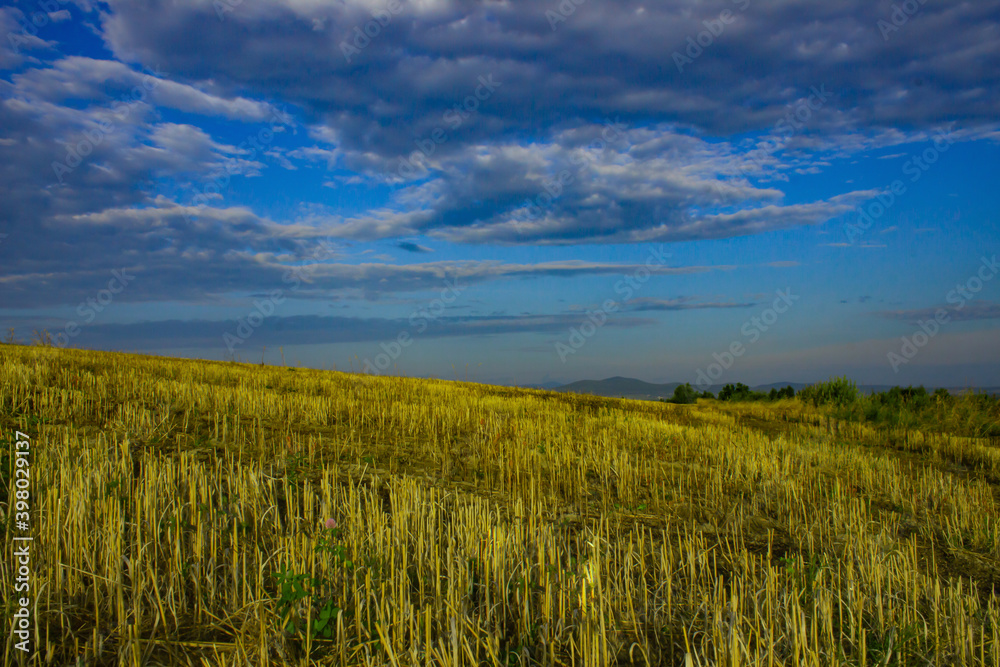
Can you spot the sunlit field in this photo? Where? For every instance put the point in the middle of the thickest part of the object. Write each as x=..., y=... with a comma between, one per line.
x=203, y=513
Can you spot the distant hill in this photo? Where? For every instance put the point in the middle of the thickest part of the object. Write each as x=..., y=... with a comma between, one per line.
x=543, y=385
x=617, y=387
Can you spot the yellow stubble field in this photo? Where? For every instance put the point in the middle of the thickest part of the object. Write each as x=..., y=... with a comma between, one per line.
x=210, y=513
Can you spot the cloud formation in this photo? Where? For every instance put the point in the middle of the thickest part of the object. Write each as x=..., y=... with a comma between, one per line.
x=429, y=55
x=322, y=330
x=461, y=122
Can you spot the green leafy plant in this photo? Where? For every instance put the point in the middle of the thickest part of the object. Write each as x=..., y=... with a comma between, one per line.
x=301, y=593
x=839, y=391
x=684, y=394
x=329, y=542
x=805, y=576
x=291, y=590
x=324, y=625
x=293, y=466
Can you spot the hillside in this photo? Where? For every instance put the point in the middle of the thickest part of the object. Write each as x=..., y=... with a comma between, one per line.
x=188, y=512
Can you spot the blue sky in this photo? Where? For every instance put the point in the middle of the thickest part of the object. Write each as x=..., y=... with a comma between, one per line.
x=533, y=191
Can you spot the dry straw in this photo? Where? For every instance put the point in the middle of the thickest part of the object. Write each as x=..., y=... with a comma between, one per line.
x=484, y=525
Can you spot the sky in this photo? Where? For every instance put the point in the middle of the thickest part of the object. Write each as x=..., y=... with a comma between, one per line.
x=509, y=192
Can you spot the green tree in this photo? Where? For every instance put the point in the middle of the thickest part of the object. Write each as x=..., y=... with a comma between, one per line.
x=839, y=391
x=737, y=392
x=684, y=393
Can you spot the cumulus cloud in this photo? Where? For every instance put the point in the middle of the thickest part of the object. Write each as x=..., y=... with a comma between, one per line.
x=475, y=121
x=20, y=37
x=189, y=253
x=96, y=80
x=595, y=183
x=428, y=58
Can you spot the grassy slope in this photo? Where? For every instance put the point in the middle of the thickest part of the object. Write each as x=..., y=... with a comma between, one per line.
x=486, y=524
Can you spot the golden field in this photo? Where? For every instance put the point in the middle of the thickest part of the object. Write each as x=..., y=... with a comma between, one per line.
x=481, y=525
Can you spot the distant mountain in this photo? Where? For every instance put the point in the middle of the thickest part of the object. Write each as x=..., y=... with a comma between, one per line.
x=622, y=387
x=544, y=385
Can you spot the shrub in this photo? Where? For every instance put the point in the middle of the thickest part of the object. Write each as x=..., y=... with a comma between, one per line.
x=736, y=392
x=740, y=392
x=684, y=394
x=838, y=391
x=778, y=394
